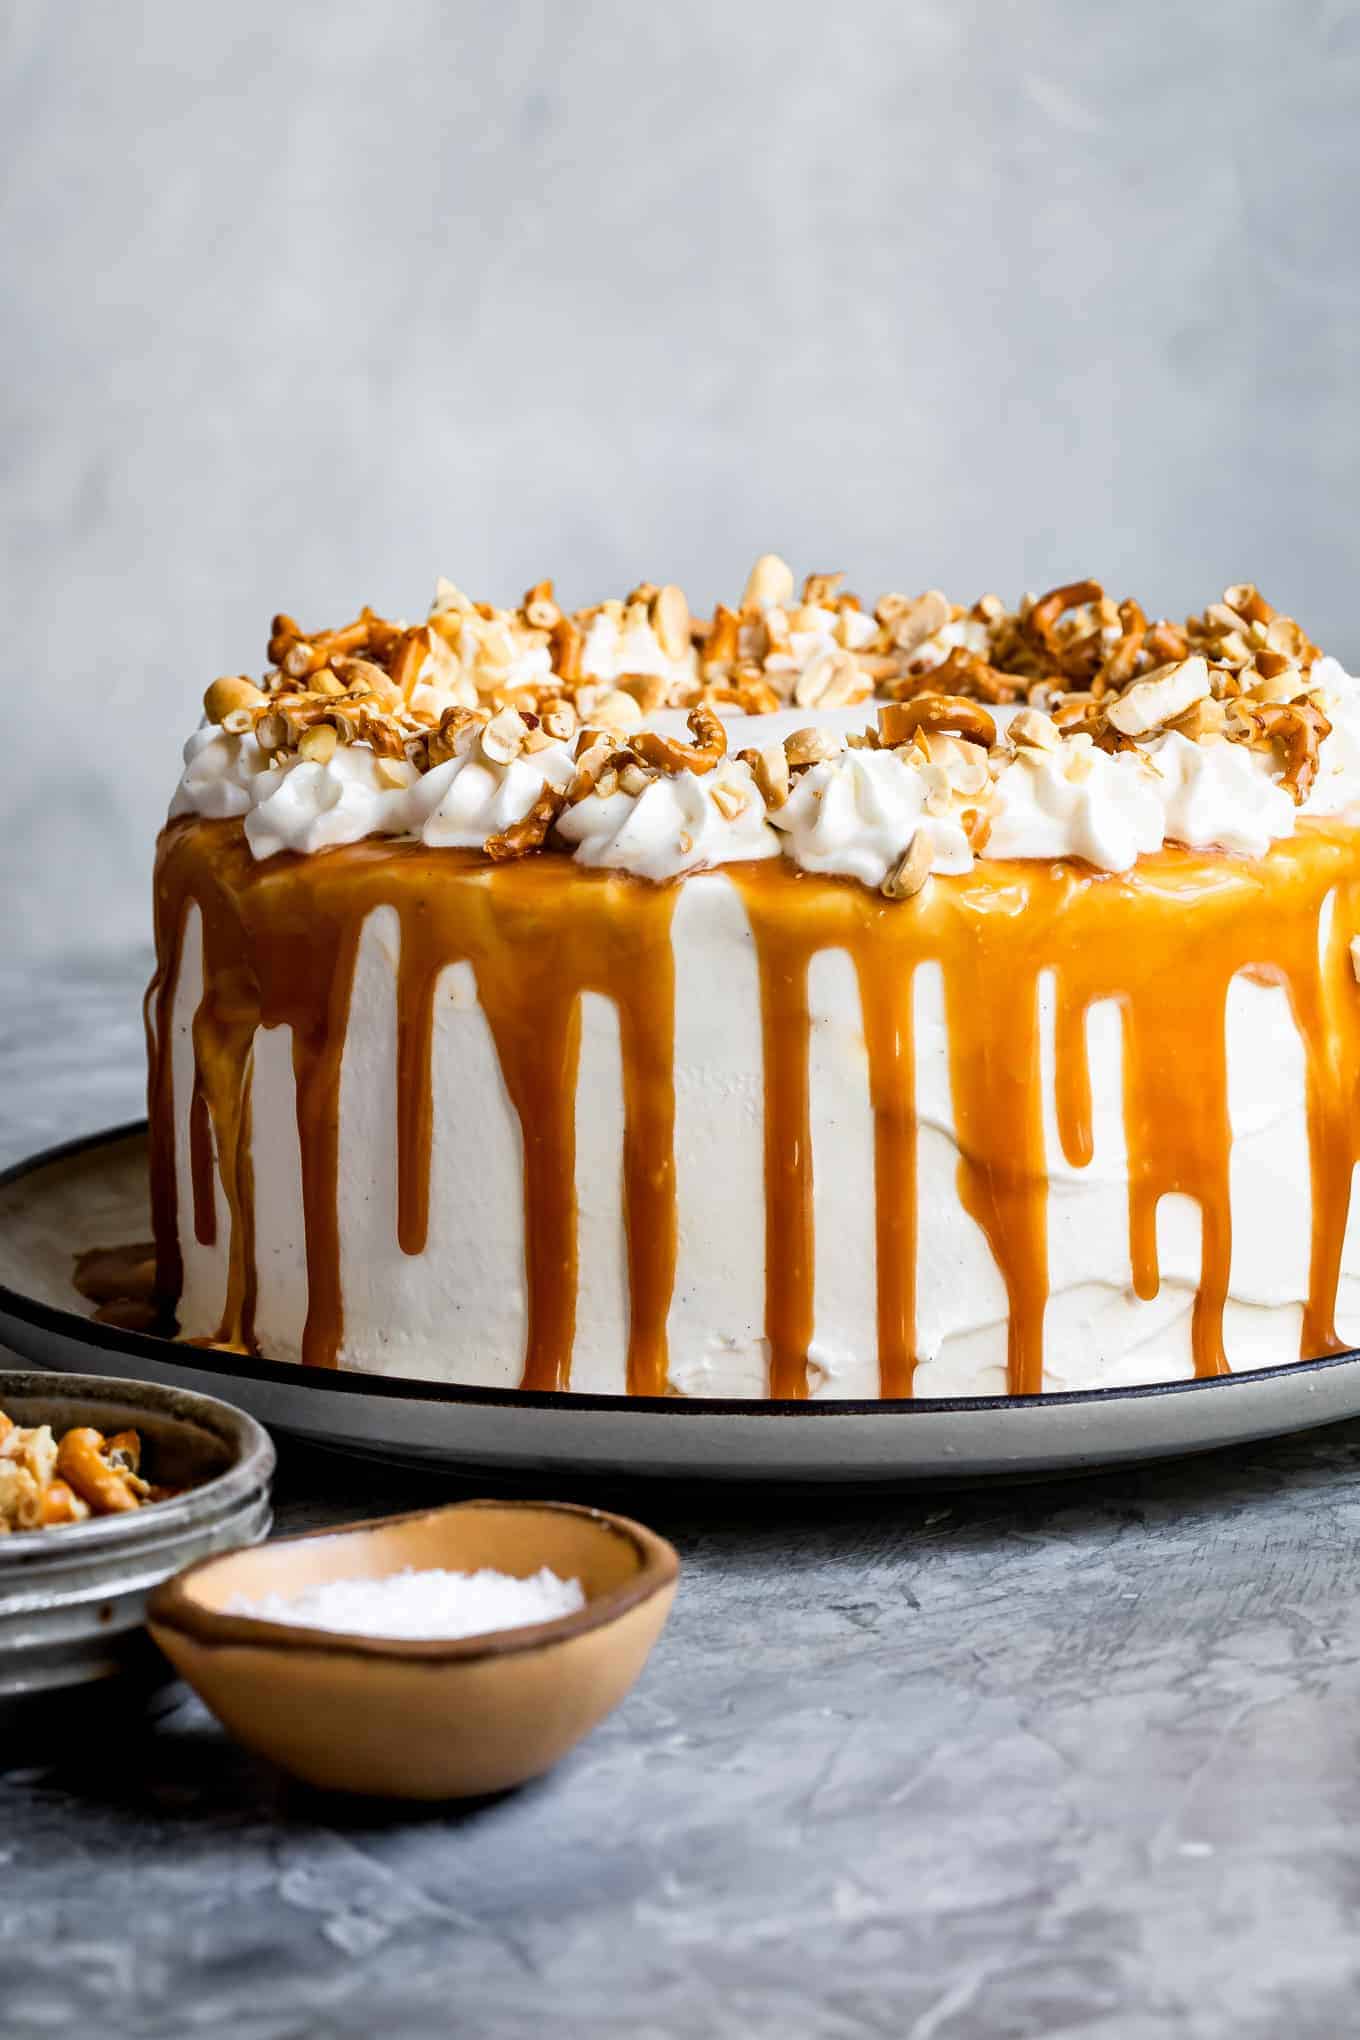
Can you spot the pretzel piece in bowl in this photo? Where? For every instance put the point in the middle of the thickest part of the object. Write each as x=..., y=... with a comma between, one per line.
x=102, y=1471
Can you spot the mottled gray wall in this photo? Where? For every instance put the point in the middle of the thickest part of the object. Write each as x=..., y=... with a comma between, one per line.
x=309, y=301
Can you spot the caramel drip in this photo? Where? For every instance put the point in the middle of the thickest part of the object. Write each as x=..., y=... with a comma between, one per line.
x=1073, y=1085
x=417, y=982
x=784, y=954
x=537, y=1032
x=280, y=946
x=1324, y=1004
x=647, y=1046
x=886, y=1004
x=1177, y=1129
x=171, y=911
x=1164, y=942
x=318, y=1051
x=224, y=1041
x=1003, y=1186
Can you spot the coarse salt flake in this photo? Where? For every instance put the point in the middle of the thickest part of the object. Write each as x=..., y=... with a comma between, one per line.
x=421, y=1606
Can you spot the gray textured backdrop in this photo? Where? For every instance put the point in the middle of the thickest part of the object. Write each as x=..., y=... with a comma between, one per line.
x=312, y=300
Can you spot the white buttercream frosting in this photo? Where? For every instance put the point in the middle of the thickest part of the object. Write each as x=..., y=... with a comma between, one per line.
x=1077, y=802
x=676, y=824
x=306, y=807
x=219, y=774
x=458, y=805
x=1336, y=790
x=1217, y=795
x=853, y=817
x=399, y=1307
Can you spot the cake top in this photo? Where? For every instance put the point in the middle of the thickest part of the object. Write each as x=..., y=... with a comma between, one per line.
x=879, y=743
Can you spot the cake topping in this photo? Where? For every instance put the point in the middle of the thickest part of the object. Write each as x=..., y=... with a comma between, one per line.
x=488, y=728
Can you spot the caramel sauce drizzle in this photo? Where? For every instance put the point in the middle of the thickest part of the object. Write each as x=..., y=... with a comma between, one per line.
x=889, y=1040
x=783, y=959
x=280, y=946
x=281, y=941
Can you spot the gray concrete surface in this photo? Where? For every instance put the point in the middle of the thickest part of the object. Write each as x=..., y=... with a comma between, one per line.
x=307, y=301
x=1076, y=1760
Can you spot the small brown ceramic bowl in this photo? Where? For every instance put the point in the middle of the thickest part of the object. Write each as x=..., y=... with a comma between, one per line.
x=434, y=1719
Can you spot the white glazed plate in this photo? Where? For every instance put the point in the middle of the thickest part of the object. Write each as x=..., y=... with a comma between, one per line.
x=92, y=1192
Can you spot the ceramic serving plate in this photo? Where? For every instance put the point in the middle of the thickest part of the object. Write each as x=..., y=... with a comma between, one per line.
x=93, y=1192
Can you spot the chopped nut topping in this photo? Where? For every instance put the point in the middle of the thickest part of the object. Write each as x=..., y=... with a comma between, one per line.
x=1205, y=720
x=229, y=695
x=1029, y=730
x=318, y=744
x=812, y=747
x=1149, y=704
x=769, y=583
x=912, y=868
x=770, y=769
x=559, y=721
x=831, y=681
x=670, y=620
x=452, y=734
x=909, y=624
x=503, y=738
x=962, y=762
x=617, y=710
x=593, y=758
x=729, y=800
x=649, y=690
x=365, y=676
x=1085, y=673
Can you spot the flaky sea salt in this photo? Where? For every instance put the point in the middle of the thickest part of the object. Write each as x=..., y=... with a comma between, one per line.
x=421, y=1605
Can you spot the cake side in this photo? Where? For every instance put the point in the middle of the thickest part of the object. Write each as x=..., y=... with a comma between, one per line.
x=997, y=1125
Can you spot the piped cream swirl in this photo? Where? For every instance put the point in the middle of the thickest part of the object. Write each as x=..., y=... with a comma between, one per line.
x=851, y=815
